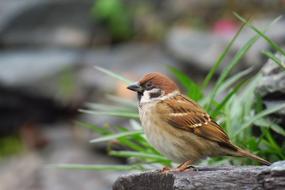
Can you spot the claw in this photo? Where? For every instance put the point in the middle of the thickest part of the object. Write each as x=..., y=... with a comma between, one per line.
x=181, y=168
x=165, y=170
x=185, y=166
x=193, y=168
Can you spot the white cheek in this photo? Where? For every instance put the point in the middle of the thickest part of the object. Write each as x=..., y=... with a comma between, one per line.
x=147, y=98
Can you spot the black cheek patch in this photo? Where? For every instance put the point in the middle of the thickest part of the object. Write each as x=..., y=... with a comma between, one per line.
x=155, y=94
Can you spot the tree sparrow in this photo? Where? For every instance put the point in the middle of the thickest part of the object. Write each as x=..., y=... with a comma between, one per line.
x=178, y=127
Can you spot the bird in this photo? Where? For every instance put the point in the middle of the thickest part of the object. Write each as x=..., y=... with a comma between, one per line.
x=178, y=127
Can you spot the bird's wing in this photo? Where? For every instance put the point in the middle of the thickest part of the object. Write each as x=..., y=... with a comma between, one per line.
x=185, y=114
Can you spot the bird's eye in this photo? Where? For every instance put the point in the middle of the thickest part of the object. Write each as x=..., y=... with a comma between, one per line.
x=148, y=85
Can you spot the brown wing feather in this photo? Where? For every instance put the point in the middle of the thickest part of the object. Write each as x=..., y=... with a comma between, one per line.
x=185, y=114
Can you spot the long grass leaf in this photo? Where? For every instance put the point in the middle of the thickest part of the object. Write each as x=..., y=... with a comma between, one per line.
x=267, y=123
x=260, y=115
x=138, y=155
x=131, y=143
x=262, y=34
x=232, y=80
x=227, y=98
x=104, y=107
x=116, y=136
x=274, y=58
x=98, y=167
x=122, y=101
x=231, y=65
x=278, y=129
x=114, y=75
x=274, y=145
x=221, y=58
x=118, y=114
x=96, y=129
x=228, y=83
x=193, y=90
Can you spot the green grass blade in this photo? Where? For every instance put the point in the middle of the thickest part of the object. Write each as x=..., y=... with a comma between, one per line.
x=118, y=114
x=116, y=136
x=269, y=124
x=105, y=107
x=232, y=80
x=278, y=129
x=122, y=101
x=132, y=144
x=274, y=58
x=236, y=60
x=262, y=34
x=99, y=167
x=273, y=144
x=228, y=83
x=114, y=75
x=231, y=65
x=96, y=129
x=227, y=98
x=138, y=155
x=193, y=90
x=260, y=115
x=221, y=58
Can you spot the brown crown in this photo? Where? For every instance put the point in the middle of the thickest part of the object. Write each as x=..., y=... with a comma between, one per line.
x=159, y=80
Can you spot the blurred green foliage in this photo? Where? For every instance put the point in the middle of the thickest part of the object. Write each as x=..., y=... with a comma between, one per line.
x=9, y=146
x=67, y=84
x=115, y=15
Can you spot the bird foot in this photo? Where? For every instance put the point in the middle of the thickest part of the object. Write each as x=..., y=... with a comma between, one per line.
x=186, y=168
x=165, y=170
x=182, y=168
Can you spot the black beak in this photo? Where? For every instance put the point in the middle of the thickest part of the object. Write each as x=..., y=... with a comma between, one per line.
x=135, y=87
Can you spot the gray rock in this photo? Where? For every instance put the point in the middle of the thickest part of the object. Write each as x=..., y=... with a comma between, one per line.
x=39, y=71
x=195, y=47
x=56, y=23
x=250, y=177
x=22, y=67
x=273, y=77
x=11, y=9
x=271, y=86
x=39, y=84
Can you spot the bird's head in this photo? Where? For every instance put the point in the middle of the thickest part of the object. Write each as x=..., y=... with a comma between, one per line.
x=153, y=86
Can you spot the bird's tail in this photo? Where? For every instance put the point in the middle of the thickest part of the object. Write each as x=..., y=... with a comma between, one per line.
x=244, y=153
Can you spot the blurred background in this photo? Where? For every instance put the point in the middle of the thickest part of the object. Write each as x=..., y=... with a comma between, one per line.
x=48, y=49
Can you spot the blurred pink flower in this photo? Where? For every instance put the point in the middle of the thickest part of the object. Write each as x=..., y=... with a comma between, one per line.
x=225, y=27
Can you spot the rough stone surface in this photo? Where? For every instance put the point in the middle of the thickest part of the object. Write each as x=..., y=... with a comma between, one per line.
x=273, y=78
x=16, y=66
x=186, y=45
x=271, y=87
x=250, y=177
x=52, y=23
